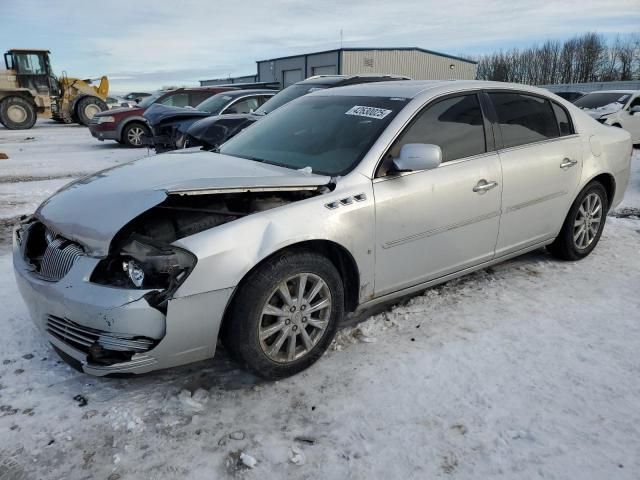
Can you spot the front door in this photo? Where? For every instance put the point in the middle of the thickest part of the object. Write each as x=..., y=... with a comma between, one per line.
x=434, y=222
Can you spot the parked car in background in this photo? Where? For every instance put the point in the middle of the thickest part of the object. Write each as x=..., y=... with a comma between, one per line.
x=169, y=124
x=335, y=202
x=135, y=96
x=570, y=96
x=128, y=126
x=619, y=108
x=213, y=131
x=117, y=102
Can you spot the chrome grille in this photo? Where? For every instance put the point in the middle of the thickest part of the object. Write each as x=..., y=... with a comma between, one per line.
x=58, y=258
x=82, y=338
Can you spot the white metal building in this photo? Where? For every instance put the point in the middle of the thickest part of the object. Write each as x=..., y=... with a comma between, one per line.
x=417, y=63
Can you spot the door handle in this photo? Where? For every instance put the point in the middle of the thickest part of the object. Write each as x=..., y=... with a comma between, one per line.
x=484, y=186
x=567, y=163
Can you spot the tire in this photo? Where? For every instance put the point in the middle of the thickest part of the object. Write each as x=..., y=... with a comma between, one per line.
x=17, y=113
x=571, y=244
x=260, y=292
x=87, y=107
x=133, y=135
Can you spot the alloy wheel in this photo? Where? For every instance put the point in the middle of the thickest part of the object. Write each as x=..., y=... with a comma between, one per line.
x=294, y=318
x=587, y=222
x=134, y=135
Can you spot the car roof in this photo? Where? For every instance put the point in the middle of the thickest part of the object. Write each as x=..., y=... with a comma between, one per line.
x=413, y=88
x=348, y=79
x=253, y=91
x=615, y=91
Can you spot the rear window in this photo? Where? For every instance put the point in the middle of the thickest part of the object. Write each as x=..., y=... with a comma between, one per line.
x=524, y=118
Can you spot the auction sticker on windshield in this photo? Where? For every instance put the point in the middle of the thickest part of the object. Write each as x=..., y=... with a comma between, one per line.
x=369, y=112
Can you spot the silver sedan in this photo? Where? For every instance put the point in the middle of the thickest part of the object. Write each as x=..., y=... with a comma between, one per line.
x=335, y=202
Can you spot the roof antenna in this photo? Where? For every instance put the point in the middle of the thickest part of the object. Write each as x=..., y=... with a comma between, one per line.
x=340, y=39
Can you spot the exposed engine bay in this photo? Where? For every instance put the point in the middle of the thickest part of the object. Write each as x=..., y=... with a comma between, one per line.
x=141, y=254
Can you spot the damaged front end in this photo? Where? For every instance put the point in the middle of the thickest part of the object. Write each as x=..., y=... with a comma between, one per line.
x=104, y=282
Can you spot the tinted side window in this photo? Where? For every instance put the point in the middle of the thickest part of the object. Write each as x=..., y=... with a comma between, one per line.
x=524, y=118
x=564, y=124
x=245, y=105
x=177, y=100
x=455, y=124
x=199, y=97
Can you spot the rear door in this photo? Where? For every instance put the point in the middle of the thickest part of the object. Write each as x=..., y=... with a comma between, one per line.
x=541, y=158
x=434, y=222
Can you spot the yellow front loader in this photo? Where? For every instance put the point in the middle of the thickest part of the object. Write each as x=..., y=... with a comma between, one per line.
x=28, y=89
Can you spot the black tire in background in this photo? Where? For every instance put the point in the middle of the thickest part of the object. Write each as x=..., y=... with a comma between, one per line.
x=17, y=113
x=87, y=107
x=243, y=326
x=566, y=246
x=133, y=134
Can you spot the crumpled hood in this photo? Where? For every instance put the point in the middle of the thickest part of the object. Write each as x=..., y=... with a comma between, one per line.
x=604, y=110
x=215, y=130
x=158, y=113
x=93, y=209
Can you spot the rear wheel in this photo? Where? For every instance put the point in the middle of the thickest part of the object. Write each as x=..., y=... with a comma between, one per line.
x=133, y=134
x=583, y=226
x=17, y=113
x=87, y=108
x=285, y=314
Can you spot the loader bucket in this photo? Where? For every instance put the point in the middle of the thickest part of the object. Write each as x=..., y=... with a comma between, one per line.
x=103, y=88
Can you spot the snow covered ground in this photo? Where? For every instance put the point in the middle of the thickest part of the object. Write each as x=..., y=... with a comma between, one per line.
x=529, y=369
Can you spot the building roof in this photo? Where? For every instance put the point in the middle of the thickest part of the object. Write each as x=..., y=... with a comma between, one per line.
x=359, y=49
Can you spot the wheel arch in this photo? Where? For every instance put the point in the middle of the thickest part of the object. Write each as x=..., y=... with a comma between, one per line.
x=341, y=258
x=125, y=123
x=608, y=181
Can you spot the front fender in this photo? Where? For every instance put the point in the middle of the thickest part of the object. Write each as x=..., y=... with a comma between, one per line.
x=228, y=252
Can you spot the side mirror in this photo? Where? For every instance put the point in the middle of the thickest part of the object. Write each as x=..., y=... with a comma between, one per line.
x=635, y=110
x=418, y=156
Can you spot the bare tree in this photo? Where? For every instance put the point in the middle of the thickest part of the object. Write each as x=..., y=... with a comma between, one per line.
x=584, y=58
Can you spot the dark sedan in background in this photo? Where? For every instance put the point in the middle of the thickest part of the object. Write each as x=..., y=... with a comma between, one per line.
x=213, y=131
x=170, y=124
x=127, y=125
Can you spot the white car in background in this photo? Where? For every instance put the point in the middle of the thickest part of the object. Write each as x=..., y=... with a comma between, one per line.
x=619, y=108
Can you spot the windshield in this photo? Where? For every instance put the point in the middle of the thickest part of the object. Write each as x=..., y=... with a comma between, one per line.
x=147, y=101
x=330, y=134
x=597, y=100
x=286, y=95
x=214, y=104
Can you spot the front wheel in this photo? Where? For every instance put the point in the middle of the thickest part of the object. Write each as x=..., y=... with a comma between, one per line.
x=285, y=314
x=133, y=135
x=584, y=224
x=87, y=108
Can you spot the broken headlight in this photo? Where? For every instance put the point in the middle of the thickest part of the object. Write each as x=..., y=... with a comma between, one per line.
x=142, y=263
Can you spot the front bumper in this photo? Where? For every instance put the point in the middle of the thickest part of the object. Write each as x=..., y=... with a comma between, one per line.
x=73, y=312
x=100, y=131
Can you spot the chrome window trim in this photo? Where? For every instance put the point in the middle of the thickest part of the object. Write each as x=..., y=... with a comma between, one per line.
x=442, y=165
x=237, y=99
x=540, y=142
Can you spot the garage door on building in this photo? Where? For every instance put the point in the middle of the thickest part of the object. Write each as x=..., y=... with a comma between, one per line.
x=324, y=70
x=289, y=77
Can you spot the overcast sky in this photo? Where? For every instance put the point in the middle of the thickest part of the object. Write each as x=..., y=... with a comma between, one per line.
x=146, y=44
